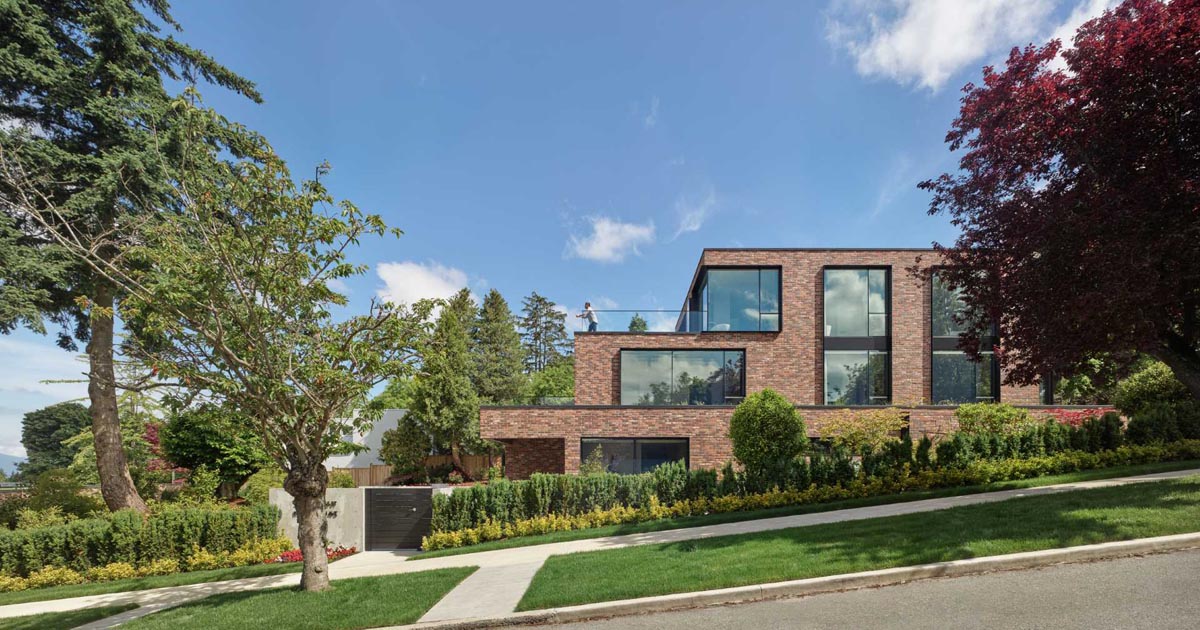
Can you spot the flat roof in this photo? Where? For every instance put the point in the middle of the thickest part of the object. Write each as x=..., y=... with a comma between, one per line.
x=819, y=249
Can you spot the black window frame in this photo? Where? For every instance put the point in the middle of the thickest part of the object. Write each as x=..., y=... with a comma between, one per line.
x=950, y=344
x=621, y=368
x=687, y=444
x=696, y=307
x=866, y=344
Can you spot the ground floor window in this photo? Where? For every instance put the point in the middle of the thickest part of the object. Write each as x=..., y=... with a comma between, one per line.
x=957, y=379
x=857, y=377
x=628, y=456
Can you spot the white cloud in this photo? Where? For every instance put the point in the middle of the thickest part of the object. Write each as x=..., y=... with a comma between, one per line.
x=610, y=240
x=406, y=282
x=926, y=42
x=26, y=363
x=1084, y=11
x=692, y=213
x=651, y=117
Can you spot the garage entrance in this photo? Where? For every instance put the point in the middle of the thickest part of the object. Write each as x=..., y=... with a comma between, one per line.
x=397, y=518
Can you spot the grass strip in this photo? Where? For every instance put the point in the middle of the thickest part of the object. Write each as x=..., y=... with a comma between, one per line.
x=1024, y=524
x=145, y=583
x=348, y=605
x=62, y=620
x=734, y=517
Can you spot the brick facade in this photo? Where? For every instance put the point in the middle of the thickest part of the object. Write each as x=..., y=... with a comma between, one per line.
x=790, y=361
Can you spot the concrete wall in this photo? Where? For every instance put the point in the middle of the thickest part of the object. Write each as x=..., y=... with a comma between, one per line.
x=344, y=516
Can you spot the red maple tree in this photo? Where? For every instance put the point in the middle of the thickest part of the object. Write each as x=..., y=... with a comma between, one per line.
x=1077, y=196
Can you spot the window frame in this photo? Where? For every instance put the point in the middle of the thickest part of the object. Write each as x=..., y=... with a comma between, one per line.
x=945, y=344
x=700, y=306
x=621, y=371
x=866, y=344
x=687, y=445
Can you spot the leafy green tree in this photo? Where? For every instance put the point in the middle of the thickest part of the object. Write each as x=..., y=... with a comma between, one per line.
x=140, y=415
x=232, y=298
x=397, y=394
x=499, y=355
x=543, y=331
x=405, y=447
x=81, y=89
x=444, y=402
x=210, y=437
x=767, y=434
x=557, y=380
x=43, y=433
x=1153, y=384
x=637, y=323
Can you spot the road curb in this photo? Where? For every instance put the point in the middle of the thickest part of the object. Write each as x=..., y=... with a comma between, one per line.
x=832, y=583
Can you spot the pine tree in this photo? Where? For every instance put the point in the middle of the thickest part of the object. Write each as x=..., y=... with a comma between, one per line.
x=443, y=399
x=499, y=354
x=637, y=323
x=81, y=88
x=462, y=307
x=544, y=332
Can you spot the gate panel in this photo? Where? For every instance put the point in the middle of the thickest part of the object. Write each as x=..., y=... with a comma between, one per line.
x=397, y=518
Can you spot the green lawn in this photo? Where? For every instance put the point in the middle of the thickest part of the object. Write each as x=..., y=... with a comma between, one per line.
x=62, y=620
x=1024, y=524
x=732, y=517
x=350, y=604
x=141, y=584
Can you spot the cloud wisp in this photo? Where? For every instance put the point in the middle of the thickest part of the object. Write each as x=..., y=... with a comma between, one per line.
x=692, y=213
x=609, y=240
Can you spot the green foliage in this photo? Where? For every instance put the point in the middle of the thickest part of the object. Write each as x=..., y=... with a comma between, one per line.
x=1165, y=422
x=405, y=447
x=767, y=434
x=556, y=380
x=543, y=332
x=444, y=401
x=637, y=323
x=858, y=429
x=30, y=518
x=126, y=536
x=341, y=479
x=201, y=488
x=998, y=418
x=58, y=488
x=44, y=433
x=499, y=355
x=257, y=488
x=215, y=439
x=1151, y=385
x=396, y=395
x=594, y=464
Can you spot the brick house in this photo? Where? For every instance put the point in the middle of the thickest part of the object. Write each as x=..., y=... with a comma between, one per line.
x=827, y=328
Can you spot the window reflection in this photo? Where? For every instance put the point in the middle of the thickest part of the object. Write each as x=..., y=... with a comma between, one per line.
x=856, y=302
x=957, y=379
x=682, y=377
x=947, y=304
x=739, y=300
x=632, y=456
x=856, y=377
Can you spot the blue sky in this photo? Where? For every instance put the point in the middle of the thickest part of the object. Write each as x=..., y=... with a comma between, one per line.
x=592, y=151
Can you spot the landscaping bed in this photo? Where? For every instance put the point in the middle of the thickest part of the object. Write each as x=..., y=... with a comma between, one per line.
x=1024, y=524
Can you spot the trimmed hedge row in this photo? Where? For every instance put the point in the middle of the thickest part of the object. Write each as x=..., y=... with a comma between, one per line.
x=1092, y=436
x=904, y=480
x=127, y=536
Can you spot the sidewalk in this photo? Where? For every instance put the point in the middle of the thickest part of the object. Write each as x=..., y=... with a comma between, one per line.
x=505, y=574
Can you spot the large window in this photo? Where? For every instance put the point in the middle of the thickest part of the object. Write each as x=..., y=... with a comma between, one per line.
x=956, y=378
x=857, y=336
x=682, y=377
x=737, y=299
x=629, y=456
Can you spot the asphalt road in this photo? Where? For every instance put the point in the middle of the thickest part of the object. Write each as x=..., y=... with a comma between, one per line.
x=1160, y=592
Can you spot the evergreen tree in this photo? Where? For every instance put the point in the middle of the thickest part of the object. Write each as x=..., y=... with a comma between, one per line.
x=637, y=323
x=499, y=355
x=81, y=89
x=544, y=332
x=443, y=399
x=43, y=433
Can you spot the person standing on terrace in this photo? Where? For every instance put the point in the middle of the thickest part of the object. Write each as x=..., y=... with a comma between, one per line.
x=590, y=316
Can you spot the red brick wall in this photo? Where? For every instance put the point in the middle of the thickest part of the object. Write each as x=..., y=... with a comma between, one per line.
x=546, y=439
x=792, y=360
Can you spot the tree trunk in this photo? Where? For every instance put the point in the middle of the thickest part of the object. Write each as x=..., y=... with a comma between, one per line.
x=307, y=488
x=116, y=485
x=1185, y=364
x=456, y=459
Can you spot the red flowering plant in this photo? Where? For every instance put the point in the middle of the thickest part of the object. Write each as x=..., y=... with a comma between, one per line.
x=1073, y=417
x=331, y=554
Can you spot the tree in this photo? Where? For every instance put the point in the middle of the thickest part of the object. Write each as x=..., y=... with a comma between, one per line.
x=767, y=434
x=499, y=355
x=637, y=323
x=43, y=433
x=1077, y=197
x=81, y=89
x=396, y=395
x=544, y=332
x=443, y=401
x=231, y=297
x=405, y=447
x=208, y=436
x=557, y=380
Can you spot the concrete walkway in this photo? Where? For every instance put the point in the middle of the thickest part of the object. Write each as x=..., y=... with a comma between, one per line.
x=505, y=574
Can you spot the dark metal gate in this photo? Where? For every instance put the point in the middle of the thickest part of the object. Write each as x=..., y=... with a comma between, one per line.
x=397, y=518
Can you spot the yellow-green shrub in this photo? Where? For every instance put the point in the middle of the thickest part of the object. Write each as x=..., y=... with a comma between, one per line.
x=10, y=583
x=164, y=566
x=259, y=551
x=53, y=576
x=110, y=572
x=203, y=560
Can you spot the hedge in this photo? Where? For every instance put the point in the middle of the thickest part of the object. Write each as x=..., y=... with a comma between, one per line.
x=905, y=479
x=128, y=536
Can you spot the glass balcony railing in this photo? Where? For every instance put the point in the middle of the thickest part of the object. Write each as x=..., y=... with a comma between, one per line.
x=657, y=320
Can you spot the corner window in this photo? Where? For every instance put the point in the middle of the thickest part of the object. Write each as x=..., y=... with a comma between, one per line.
x=857, y=336
x=956, y=378
x=682, y=377
x=738, y=300
x=630, y=456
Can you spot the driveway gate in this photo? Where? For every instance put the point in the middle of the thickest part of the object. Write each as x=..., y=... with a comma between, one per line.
x=397, y=518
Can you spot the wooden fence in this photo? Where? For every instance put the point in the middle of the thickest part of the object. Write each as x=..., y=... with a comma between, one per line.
x=377, y=474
